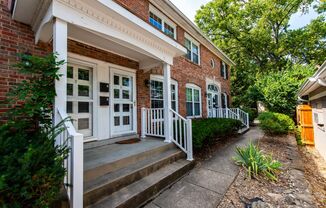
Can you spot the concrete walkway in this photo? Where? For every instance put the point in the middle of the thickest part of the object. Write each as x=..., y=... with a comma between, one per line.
x=206, y=185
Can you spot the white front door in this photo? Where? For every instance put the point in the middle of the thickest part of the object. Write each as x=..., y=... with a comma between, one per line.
x=123, y=103
x=212, y=100
x=80, y=98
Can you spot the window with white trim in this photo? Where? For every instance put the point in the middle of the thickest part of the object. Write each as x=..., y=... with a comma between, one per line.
x=193, y=100
x=156, y=89
x=161, y=22
x=225, y=100
x=193, y=49
x=224, y=70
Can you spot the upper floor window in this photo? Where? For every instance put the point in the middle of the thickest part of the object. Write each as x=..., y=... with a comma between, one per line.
x=224, y=70
x=193, y=52
x=161, y=22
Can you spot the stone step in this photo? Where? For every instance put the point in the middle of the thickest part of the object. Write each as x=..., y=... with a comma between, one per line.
x=114, y=181
x=138, y=193
x=107, y=162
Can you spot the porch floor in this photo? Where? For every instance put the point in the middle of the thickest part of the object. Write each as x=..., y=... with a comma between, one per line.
x=97, y=156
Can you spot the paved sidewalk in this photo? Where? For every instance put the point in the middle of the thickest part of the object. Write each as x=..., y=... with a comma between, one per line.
x=206, y=185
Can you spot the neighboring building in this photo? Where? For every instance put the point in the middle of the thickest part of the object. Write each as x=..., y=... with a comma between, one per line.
x=133, y=67
x=314, y=91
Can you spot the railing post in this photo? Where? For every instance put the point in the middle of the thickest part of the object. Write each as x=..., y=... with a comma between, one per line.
x=238, y=113
x=167, y=102
x=143, y=122
x=77, y=164
x=247, y=120
x=189, y=140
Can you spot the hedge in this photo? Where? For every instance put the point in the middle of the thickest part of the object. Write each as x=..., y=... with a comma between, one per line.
x=276, y=123
x=205, y=130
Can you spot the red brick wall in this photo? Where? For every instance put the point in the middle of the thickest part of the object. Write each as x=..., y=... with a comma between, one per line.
x=139, y=8
x=14, y=38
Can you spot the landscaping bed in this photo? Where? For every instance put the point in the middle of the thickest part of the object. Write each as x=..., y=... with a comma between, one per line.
x=291, y=189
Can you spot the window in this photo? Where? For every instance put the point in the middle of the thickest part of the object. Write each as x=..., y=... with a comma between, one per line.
x=193, y=100
x=193, y=52
x=157, y=93
x=224, y=70
x=225, y=100
x=161, y=22
x=212, y=63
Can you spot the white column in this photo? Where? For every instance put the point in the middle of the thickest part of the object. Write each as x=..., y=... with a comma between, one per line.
x=167, y=102
x=60, y=48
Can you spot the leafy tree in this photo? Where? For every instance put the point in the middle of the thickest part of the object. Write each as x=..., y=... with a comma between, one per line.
x=279, y=89
x=256, y=35
x=31, y=172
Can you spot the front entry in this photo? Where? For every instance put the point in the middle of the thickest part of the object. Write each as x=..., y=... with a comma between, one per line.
x=212, y=100
x=123, y=102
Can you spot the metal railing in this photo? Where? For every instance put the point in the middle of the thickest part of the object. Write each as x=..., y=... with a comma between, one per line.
x=74, y=162
x=152, y=120
x=233, y=113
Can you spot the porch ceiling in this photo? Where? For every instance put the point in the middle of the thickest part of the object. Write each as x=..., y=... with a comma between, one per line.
x=111, y=45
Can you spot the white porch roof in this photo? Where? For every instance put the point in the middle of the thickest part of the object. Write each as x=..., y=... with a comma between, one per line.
x=103, y=24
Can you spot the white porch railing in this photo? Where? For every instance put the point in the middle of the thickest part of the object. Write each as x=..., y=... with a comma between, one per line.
x=233, y=113
x=74, y=162
x=181, y=129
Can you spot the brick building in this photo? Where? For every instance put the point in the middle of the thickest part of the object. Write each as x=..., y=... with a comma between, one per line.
x=131, y=65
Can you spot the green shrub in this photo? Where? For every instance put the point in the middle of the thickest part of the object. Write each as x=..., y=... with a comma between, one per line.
x=31, y=172
x=253, y=113
x=297, y=132
x=276, y=123
x=204, y=130
x=256, y=162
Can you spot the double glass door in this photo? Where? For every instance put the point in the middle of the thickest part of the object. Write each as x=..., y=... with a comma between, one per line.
x=123, y=103
x=80, y=98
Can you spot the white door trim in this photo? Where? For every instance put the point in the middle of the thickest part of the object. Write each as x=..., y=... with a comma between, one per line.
x=132, y=73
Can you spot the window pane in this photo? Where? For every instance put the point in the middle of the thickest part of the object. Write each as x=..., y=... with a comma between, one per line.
x=196, y=95
x=125, y=81
x=195, y=49
x=126, y=120
x=83, y=107
x=69, y=107
x=116, y=80
x=188, y=46
x=125, y=94
x=157, y=104
x=83, y=74
x=189, y=109
x=70, y=89
x=156, y=90
x=189, y=94
x=195, y=58
x=83, y=90
x=197, y=109
x=174, y=106
x=70, y=72
x=117, y=121
x=168, y=30
x=116, y=107
x=116, y=93
x=155, y=21
x=83, y=123
x=126, y=108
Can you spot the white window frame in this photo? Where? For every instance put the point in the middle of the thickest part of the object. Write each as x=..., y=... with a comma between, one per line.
x=196, y=43
x=160, y=78
x=225, y=100
x=224, y=68
x=194, y=87
x=164, y=20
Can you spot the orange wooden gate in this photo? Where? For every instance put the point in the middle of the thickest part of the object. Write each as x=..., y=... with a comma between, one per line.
x=304, y=119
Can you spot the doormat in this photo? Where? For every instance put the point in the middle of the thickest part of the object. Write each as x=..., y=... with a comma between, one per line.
x=129, y=141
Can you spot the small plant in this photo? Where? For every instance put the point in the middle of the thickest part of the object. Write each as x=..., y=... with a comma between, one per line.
x=276, y=123
x=256, y=163
x=204, y=130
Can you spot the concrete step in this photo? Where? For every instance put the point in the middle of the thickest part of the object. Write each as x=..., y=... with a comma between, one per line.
x=138, y=193
x=109, y=183
x=109, y=159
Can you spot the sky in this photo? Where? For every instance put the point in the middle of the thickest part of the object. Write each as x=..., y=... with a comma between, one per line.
x=189, y=8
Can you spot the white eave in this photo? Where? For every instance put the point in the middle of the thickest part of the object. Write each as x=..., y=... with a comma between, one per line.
x=314, y=81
